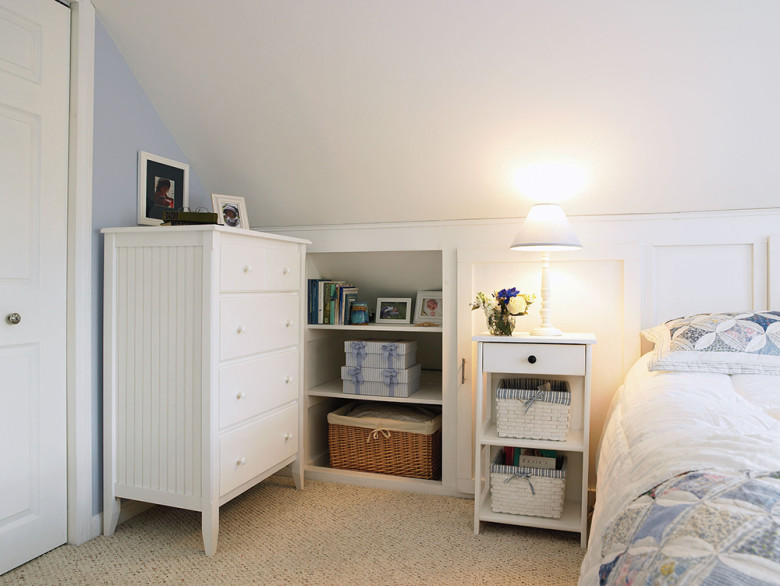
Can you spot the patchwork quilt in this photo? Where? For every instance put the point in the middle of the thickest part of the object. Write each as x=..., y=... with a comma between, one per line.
x=702, y=527
x=688, y=488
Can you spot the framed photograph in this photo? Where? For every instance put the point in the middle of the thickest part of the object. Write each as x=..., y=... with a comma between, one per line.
x=393, y=310
x=428, y=307
x=163, y=186
x=231, y=210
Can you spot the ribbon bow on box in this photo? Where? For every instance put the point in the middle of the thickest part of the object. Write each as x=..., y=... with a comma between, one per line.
x=390, y=378
x=389, y=351
x=356, y=375
x=359, y=352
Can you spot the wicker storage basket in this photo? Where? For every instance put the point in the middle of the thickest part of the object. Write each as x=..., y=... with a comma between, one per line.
x=527, y=491
x=527, y=408
x=384, y=445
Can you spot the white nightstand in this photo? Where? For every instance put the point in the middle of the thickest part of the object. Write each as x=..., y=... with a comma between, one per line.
x=566, y=357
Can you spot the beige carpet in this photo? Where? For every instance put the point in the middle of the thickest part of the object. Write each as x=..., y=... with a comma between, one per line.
x=326, y=534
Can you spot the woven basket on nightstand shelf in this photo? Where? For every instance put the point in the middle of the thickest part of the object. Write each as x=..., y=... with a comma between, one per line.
x=527, y=491
x=526, y=409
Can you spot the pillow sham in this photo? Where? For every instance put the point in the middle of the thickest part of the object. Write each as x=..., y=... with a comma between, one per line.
x=726, y=343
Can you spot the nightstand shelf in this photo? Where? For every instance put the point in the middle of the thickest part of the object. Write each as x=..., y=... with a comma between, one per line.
x=566, y=357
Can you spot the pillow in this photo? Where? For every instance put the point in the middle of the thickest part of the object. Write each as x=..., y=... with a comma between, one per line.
x=727, y=343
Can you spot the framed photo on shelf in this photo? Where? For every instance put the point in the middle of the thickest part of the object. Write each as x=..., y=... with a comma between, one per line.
x=393, y=310
x=428, y=307
x=163, y=186
x=231, y=210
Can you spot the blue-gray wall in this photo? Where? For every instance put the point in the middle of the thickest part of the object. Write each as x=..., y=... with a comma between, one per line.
x=125, y=122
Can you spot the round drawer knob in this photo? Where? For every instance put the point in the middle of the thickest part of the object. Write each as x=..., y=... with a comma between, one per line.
x=289, y=323
x=288, y=379
x=288, y=436
x=532, y=359
x=241, y=461
x=13, y=318
x=241, y=395
x=285, y=271
x=247, y=269
x=241, y=330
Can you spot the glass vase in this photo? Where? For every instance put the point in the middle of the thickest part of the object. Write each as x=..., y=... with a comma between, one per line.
x=501, y=324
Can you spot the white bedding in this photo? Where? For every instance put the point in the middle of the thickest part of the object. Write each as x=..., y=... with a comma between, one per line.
x=665, y=423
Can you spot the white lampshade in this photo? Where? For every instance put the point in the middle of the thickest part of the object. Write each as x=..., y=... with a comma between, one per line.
x=546, y=228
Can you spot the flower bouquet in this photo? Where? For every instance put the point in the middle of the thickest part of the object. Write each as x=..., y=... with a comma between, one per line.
x=501, y=308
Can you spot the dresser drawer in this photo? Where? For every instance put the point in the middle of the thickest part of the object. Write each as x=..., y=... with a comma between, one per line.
x=254, y=448
x=257, y=323
x=534, y=358
x=250, y=388
x=242, y=268
x=283, y=270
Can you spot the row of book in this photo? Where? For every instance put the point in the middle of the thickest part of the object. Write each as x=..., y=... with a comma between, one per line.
x=532, y=458
x=330, y=302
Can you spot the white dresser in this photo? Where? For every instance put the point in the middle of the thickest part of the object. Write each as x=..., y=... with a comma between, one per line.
x=202, y=364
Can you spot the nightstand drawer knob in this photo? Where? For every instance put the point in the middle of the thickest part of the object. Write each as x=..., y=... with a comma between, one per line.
x=532, y=359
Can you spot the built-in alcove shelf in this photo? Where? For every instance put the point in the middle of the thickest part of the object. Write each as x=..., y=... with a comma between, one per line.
x=377, y=274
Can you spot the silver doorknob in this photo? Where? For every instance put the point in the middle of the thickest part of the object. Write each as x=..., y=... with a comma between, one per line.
x=13, y=318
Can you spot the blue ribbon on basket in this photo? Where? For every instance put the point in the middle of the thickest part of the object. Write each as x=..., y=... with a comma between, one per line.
x=356, y=375
x=359, y=352
x=389, y=351
x=535, y=397
x=526, y=476
x=390, y=376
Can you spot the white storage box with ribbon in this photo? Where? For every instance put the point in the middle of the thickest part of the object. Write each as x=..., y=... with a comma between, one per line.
x=533, y=408
x=381, y=353
x=381, y=382
x=519, y=490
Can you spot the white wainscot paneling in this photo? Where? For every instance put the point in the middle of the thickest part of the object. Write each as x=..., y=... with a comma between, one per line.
x=692, y=279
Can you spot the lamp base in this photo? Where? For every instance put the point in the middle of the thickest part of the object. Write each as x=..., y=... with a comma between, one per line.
x=546, y=331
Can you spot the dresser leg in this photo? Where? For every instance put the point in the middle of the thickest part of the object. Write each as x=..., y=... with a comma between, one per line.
x=297, y=473
x=210, y=522
x=111, y=507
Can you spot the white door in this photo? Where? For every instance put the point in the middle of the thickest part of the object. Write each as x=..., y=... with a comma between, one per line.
x=34, y=70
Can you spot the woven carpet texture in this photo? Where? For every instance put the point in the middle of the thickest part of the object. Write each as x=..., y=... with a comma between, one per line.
x=325, y=534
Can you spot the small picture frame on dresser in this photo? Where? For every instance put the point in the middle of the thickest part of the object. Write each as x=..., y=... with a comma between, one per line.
x=428, y=308
x=230, y=210
x=393, y=310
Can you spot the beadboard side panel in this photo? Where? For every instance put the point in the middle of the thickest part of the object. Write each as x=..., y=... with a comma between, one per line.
x=159, y=306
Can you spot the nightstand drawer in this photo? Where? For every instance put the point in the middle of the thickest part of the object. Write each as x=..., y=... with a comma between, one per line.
x=534, y=358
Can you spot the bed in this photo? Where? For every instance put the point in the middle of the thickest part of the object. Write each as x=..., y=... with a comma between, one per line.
x=688, y=488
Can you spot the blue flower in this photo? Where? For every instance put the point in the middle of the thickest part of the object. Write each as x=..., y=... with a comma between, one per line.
x=505, y=295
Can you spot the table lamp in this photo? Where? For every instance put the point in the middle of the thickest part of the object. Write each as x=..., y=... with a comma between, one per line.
x=546, y=229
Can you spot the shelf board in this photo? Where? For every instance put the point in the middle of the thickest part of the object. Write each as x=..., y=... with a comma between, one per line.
x=573, y=443
x=570, y=518
x=378, y=328
x=428, y=394
x=387, y=481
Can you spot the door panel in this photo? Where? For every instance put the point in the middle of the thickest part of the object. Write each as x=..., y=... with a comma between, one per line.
x=34, y=92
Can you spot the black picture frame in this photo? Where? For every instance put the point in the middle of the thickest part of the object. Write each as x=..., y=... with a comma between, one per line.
x=163, y=186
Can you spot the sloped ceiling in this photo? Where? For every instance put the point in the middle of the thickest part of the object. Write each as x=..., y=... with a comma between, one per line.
x=340, y=111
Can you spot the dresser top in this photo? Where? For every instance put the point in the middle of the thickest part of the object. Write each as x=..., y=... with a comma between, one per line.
x=202, y=228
